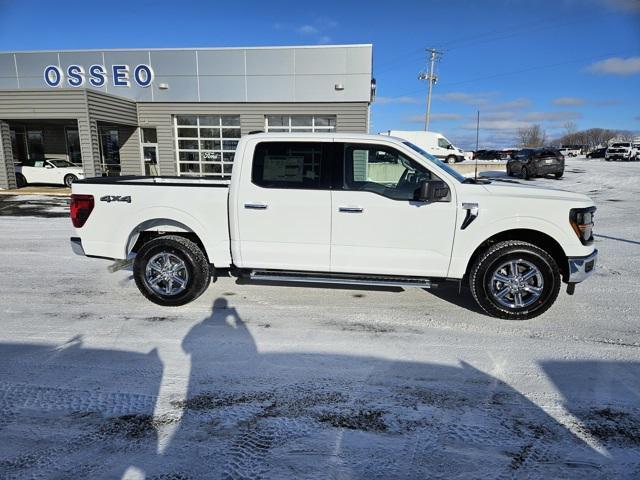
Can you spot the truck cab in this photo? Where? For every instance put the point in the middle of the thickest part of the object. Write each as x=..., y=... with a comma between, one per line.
x=340, y=208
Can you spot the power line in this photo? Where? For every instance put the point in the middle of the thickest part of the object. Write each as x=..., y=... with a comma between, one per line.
x=529, y=69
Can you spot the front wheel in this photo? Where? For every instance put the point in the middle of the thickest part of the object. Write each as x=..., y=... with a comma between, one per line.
x=171, y=270
x=524, y=174
x=559, y=174
x=515, y=280
x=69, y=179
x=450, y=159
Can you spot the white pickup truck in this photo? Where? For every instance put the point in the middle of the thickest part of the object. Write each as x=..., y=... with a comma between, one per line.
x=340, y=208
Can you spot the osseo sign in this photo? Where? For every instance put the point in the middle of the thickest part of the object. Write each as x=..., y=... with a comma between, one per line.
x=96, y=76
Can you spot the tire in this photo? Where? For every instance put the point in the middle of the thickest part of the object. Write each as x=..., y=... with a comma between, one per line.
x=559, y=175
x=484, y=286
x=450, y=159
x=509, y=172
x=21, y=181
x=69, y=179
x=180, y=252
x=524, y=173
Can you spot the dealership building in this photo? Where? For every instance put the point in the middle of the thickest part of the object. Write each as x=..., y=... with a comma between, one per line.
x=172, y=111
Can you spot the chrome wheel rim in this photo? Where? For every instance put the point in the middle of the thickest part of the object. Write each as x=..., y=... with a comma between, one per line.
x=516, y=284
x=166, y=274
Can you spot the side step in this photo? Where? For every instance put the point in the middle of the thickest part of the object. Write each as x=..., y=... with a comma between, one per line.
x=339, y=278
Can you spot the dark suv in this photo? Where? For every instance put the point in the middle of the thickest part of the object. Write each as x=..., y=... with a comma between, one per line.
x=536, y=162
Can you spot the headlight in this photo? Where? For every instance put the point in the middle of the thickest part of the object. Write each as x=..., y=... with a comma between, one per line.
x=581, y=220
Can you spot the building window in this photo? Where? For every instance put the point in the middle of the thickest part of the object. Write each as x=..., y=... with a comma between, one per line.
x=206, y=144
x=300, y=123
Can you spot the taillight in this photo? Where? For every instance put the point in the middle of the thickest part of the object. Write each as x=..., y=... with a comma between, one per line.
x=80, y=208
x=582, y=223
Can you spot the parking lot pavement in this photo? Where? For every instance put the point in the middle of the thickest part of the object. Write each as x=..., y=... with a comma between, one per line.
x=294, y=382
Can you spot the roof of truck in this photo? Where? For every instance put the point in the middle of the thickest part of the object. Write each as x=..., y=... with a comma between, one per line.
x=329, y=135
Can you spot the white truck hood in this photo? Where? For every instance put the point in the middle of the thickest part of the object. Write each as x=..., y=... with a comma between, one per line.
x=517, y=192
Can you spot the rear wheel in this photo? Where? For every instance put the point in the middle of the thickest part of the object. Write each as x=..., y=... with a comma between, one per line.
x=21, y=181
x=515, y=280
x=171, y=271
x=69, y=179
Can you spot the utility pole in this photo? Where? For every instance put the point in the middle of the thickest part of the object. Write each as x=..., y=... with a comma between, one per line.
x=477, y=141
x=431, y=78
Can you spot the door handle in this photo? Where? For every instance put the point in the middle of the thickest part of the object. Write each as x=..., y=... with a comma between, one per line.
x=351, y=209
x=256, y=206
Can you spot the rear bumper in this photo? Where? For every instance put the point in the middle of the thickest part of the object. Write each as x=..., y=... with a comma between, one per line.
x=581, y=268
x=76, y=246
x=544, y=169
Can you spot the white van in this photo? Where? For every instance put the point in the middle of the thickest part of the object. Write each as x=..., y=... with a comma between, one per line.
x=434, y=143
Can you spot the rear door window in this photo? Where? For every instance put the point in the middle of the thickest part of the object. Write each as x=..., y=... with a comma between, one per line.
x=293, y=165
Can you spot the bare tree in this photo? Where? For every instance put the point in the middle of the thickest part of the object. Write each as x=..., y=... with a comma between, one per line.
x=570, y=128
x=532, y=136
x=590, y=138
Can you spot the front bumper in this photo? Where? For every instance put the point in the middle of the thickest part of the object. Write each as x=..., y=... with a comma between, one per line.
x=76, y=246
x=581, y=268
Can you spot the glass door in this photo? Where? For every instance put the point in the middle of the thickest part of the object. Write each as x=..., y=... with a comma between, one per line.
x=73, y=145
x=109, y=151
x=35, y=143
x=150, y=151
x=19, y=145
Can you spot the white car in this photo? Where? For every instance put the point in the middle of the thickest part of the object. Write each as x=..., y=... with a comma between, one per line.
x=570, y=150
x=48, y=170
x=340, y=208
x=625, y=151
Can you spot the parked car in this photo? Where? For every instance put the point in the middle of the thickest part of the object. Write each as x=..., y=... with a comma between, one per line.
x=571, y=150
x=48, y=170
x=434, y=143
x=536, y=162
x=597, y=153
x=337, y=208
x=624, y=151
x=491, y=155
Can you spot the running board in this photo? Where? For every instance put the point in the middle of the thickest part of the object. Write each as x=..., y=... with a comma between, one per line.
x=339, y=279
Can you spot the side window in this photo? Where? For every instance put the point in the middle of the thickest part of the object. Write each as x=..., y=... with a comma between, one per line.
x=442, y=143
x=382, y=170
x=301, y=165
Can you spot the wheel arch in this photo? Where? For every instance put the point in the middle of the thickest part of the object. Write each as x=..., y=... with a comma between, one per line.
x=158, y=227
x=535, y=237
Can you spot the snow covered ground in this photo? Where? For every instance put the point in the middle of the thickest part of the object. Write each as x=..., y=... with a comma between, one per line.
x=290, y=382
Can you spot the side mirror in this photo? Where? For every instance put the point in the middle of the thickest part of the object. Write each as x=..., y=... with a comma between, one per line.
x=432, y=191
x=449, y=147
x=48, y=166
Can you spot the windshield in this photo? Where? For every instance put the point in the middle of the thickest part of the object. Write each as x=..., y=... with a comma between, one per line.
x=61, y=163
x=621, y=145
x=454, y=173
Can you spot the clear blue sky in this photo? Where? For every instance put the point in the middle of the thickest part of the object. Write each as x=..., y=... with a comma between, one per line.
x=517, y=61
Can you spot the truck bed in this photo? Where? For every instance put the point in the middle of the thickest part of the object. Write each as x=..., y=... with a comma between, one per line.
x=124, y=206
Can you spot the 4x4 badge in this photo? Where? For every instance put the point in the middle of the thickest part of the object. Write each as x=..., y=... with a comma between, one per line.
x=115, y=198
